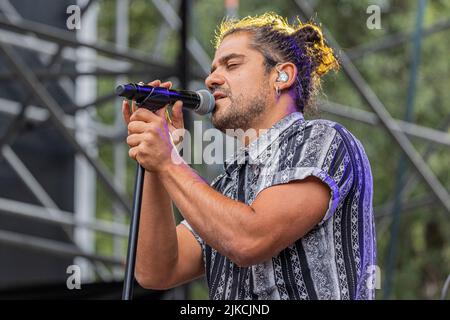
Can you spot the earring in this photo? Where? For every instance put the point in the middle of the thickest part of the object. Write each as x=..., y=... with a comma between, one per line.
x=282, y=76
x=277, y=91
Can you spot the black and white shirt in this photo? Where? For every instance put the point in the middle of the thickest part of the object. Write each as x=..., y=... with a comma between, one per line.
x=336, y=259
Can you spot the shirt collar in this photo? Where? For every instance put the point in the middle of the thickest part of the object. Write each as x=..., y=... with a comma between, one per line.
x=261, y=144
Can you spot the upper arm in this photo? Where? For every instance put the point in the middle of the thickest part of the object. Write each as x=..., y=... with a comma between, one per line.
x=283, y=214
x=190, y=260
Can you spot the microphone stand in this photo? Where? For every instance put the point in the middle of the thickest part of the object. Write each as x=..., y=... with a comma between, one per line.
x=127, y=293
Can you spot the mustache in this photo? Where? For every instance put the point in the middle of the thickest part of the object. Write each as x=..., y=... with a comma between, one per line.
x=221, y=89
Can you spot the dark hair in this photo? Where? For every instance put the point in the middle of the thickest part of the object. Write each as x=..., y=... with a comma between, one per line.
x=302, y=44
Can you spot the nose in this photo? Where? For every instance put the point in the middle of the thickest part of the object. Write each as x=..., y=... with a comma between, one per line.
x=214, y=80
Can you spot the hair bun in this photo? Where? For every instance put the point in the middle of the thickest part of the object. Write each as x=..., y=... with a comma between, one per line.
x=308, y=33
x=310, y=36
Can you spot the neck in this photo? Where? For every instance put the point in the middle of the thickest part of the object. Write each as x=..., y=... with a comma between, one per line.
x=278, y=110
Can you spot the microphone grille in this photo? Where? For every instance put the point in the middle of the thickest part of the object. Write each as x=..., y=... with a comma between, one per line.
x=207, y=102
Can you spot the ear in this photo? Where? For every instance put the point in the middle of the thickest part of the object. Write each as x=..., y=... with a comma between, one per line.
x=282, y=70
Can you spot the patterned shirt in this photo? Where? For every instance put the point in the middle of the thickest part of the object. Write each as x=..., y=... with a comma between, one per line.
x=335, y=260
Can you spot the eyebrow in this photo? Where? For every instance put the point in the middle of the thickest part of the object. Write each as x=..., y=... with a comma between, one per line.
x=226, y=58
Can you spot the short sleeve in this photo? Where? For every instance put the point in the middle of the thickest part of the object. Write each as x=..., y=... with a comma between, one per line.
x=197, y=237
x=319, y=151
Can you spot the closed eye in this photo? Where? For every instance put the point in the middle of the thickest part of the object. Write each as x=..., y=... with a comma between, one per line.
x=232, y=66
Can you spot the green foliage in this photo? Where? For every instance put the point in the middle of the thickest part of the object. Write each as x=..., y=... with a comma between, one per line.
x=423, y=259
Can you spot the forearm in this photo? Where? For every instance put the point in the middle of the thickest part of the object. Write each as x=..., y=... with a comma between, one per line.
x=220, y=221
x=157, y=242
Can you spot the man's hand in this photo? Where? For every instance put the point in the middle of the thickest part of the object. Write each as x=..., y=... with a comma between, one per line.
x=149, y=135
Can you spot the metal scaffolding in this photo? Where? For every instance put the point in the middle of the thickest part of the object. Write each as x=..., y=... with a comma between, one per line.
x=117, y=61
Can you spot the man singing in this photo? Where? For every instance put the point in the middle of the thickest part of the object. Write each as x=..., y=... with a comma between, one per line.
x=291, y=215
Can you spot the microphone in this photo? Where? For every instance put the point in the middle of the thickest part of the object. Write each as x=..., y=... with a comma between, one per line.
x=154, y=98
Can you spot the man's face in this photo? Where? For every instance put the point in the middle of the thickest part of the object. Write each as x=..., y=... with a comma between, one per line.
x=239, y=83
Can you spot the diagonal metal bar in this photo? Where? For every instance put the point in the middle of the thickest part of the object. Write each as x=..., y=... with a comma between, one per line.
x=393, y=41
x=15, y=125
x=86, y=7
x=163, y=32
x=437, y=137
x=29, y=180
x=57, y=115
x=9, y=11
x=193, y=45
x=378, y=108
x=413, y=179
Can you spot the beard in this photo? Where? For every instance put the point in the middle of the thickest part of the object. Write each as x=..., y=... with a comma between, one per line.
x=242, y=112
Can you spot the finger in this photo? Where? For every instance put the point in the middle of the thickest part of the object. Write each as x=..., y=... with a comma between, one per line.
x=155, y=83
x=167, y=84
x=143, y=114
x=132, y=153
x=126, y=113
x=137, y=127
x=133, y=106
x=177, y=115
x=134, y=140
